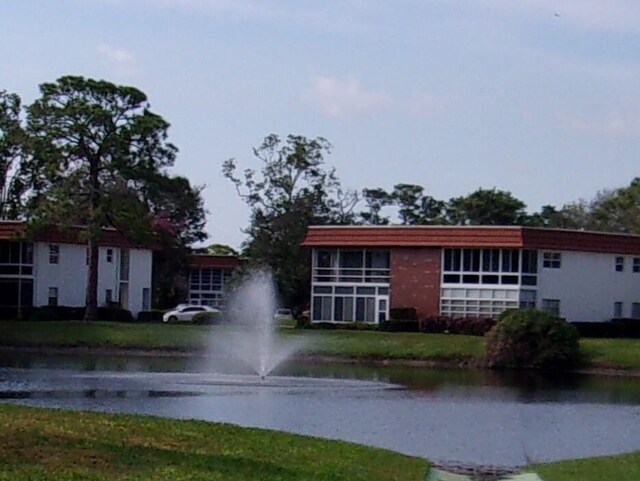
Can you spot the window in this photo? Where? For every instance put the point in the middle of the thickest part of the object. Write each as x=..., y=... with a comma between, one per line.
x=109, y=256
x=635, y=310
x=617, y=310
x=552, y=306
x=53, y=296
x=551, y=260
x=146, y=298
x=636, y=264
x=54, y=254
x=108, y=296
x=619, y=264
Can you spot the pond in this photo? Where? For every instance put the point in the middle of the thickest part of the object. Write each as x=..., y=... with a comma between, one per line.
x=465, y=416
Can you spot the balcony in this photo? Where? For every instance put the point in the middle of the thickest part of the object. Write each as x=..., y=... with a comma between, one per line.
x=374, y=275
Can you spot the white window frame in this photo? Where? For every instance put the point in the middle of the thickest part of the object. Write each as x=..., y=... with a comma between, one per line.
x=53, y=296
x=618, y=309
x=619, y=264
x=551, y=306
x=552, y=260
x=110, y=256
x=636, y=265
x=54, y=253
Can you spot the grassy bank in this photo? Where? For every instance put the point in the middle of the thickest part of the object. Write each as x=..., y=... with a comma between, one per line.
x=43, y=444
x=365, y=345
x=607, y=468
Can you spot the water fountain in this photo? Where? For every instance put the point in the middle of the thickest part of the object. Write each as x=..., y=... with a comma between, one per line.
x=251, y=337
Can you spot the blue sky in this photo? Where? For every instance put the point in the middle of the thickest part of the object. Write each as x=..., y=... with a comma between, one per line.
x=538, y=97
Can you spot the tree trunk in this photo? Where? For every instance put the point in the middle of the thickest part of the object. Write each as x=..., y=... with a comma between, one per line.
x=91, y=313
x=94, y=231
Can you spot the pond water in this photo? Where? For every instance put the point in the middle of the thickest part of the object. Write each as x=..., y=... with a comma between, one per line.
x=465, y=416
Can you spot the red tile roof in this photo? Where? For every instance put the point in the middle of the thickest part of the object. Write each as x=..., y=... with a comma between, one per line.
x=471, y=236
x=11, y=230
x=207, y=260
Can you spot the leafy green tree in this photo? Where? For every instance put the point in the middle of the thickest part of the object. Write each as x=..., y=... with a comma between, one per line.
x=96, y=149
x=618, y=210
x=408, y=198
x=292, y=190
x=486, y=207
x=219, y=250
x=376, y=200
x=13, y=148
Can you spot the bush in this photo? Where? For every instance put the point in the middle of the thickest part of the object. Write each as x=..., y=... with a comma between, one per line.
x=69, y=313
x=628, y=328
x=114, y=314
x=207, y=318
x=10, y=313
x=468, y=326
x=403, y=314
x=57, y=313
x=531, y=339
x=154, y=315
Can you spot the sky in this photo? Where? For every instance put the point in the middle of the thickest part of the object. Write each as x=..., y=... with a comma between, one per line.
x=537, y=97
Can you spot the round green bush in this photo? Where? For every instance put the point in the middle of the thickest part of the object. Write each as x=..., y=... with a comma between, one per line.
x=531, y=339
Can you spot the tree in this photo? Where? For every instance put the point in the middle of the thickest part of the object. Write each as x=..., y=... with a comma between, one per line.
x=486, y=207
x=96, y=147
x=618, y=210
x=408, y=198
x=291, y=191
x=13, y=148
x=218, y=250
x=376, y=200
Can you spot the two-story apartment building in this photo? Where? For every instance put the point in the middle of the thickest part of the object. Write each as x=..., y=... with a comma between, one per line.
x=209, y=277
x=52, y=269
x=360, y=272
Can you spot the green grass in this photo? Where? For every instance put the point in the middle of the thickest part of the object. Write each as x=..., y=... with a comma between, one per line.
x=47, y=444
x=365, y=345
x=624, y=353
x=609, y=468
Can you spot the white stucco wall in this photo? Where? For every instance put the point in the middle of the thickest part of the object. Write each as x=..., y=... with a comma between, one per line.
x=70, y=275
x=140, y=263
x=588, y=285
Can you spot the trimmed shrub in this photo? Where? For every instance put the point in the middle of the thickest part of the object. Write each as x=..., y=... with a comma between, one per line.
x=68, y=313
x=403, y=314
x=629, y=328
x=57, y=313
x=468, y=326
x=114, y=314
x=531, y=339
x=207, y=318
x=10, y=313
x=154, y=315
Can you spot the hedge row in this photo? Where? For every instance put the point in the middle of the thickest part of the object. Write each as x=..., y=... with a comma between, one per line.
x=63, y=313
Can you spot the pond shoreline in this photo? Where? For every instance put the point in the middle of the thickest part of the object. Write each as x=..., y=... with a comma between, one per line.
x=594, y=369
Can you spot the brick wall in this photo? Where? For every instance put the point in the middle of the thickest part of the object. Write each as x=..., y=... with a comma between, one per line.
x=415, y=279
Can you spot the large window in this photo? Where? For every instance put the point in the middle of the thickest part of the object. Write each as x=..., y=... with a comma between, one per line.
x=349, y=303
x=477, y=302
x=351, y=266
x=207, y=285
x=489, y=266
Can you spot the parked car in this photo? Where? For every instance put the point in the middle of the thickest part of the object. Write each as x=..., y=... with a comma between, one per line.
x=185, y=312
x=283, y=315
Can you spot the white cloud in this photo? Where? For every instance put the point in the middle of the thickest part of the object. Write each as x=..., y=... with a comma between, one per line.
x=120, y=60
x=345, y=97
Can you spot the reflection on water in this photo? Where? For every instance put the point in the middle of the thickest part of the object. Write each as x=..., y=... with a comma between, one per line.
x=471, y=416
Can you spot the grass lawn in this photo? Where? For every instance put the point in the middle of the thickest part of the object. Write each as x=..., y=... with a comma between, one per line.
x=608, y=468
x=366, y=345
x=43, y=444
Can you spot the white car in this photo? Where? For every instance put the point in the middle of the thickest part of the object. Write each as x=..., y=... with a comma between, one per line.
x=185, y=312
x=283, y=315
